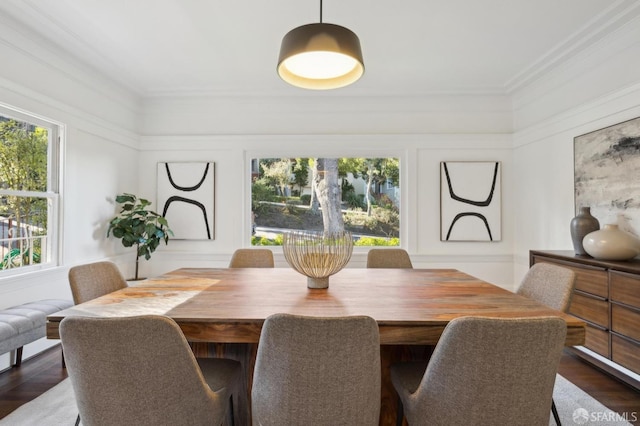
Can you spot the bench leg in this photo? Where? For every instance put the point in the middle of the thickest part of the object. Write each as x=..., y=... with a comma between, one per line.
x=18, y=358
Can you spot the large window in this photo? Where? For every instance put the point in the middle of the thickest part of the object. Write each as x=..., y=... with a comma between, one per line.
x=29, y=179
x=290, y=194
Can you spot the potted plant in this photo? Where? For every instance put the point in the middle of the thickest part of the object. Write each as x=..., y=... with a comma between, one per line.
x=137, y=225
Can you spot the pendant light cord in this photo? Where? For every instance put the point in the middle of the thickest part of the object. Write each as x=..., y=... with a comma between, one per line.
x=321, y=11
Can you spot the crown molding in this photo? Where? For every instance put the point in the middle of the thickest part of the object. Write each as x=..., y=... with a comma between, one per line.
x=619, y=14
x=43, y=52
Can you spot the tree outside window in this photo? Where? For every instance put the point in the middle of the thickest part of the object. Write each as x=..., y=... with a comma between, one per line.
x=26, y=196
x=326, y=194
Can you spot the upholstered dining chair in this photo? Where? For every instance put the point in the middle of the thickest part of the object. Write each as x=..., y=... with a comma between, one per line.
x=93, y=280
x=317, y=371
x=252, y=258
x=156, y=381
x=497, y=371
x=551, y=285
x=388, y=258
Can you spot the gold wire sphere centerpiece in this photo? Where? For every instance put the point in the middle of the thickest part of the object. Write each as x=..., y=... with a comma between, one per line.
x=317, y=255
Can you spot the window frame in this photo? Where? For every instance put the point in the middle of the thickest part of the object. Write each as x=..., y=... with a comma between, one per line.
x=53, y=193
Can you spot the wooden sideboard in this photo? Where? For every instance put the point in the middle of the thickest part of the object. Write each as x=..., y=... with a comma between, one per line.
x=607, y=298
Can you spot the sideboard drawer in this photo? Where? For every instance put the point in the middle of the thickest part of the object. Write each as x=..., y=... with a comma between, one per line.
x=589, y=279
x=607, y=298
x=625, y=321
x=590, y=309
x=625, y=352
x=625, y=288
x=594, y=281
x=597, y=340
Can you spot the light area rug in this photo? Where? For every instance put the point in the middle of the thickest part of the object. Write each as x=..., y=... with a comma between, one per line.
x=576, y=407
x=57, y=407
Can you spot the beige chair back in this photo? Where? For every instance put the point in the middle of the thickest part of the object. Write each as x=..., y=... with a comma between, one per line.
x=252, y=258
x=550, y=285
x=485, y=371
x=137, y=371
x=388, y=258
x=317, y=371
x=94, y=280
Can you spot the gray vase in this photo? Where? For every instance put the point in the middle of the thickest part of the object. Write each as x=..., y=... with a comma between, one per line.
x=580, y=226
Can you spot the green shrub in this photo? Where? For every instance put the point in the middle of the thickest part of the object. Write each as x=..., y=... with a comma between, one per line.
x=354, y=218
x=347, y=189
x=355, y=201
x=376, y=241
x=260, y=192
x=384, y=201
x=383, y=221
x=305, y=199
x=264, y=241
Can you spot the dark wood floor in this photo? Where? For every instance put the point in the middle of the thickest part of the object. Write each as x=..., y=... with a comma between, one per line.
x=35, y=376
x=38, y=374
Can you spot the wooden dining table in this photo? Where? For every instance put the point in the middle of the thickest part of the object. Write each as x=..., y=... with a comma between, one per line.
x=221, y=311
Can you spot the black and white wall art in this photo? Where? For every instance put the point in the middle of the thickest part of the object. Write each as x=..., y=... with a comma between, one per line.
x=607, y=174
x=470, y=201
x=186, y=199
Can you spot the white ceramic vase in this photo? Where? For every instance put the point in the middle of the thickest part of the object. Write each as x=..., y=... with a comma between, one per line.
x=611, y=243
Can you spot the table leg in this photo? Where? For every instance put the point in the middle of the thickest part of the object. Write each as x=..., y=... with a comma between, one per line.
x=245, y=353
x=390, y=354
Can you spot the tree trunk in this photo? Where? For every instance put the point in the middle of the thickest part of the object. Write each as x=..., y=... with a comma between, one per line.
x=369, y=184
x=314, y=206
x=329, y=194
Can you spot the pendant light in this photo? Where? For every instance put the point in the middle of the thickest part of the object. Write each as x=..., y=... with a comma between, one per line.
x=320, y=56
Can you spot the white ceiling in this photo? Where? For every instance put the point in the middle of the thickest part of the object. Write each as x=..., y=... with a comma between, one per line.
x=410, y=47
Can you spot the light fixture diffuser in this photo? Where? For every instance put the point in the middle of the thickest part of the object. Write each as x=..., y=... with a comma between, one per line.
x=320, y=56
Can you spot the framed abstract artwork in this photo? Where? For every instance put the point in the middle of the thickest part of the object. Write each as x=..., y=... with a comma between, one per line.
x=470, y=201
x=606, y=173
x=186, y=198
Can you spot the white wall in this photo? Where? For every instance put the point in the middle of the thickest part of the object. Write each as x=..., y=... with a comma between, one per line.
x=99, y=152
x=598, y=88
x=421, y=132
x=100, y=155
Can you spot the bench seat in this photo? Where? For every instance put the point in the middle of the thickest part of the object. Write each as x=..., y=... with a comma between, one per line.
x=26, y=323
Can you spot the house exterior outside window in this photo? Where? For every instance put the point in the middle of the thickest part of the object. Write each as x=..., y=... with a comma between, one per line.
x=29, y=192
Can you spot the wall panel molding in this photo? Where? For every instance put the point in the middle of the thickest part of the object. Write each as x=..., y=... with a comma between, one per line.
x=327, y=115
x=286, y=143
x=604, y=111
